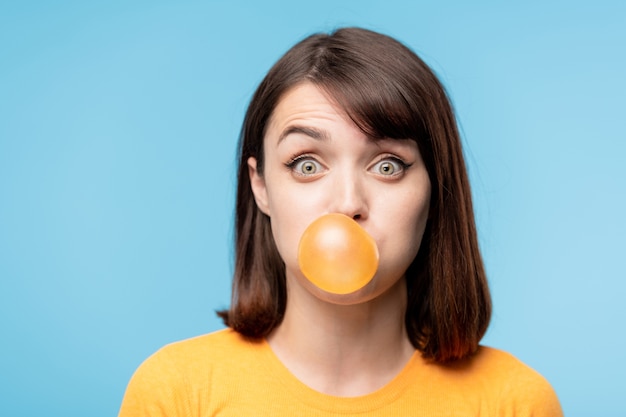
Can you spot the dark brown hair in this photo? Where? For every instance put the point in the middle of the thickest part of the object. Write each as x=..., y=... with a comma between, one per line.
x=388, y=92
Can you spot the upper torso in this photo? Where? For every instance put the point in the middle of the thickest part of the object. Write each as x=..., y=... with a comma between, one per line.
x=223, y=374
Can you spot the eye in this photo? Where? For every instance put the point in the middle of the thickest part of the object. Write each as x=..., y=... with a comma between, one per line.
x=389, y=167
x=305, y=166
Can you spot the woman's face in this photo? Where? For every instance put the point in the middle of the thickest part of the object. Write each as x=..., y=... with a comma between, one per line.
x=317, y=161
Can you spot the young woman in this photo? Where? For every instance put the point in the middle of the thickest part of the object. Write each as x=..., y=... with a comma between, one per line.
x=351, y=123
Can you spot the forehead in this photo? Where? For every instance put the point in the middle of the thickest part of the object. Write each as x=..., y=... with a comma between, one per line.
x=305, y=101
x=309, y=111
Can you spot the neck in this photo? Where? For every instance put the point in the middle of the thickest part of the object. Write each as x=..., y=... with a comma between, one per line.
x=343, y=350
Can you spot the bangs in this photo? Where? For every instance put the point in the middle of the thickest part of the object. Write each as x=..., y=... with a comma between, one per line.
x=377, y=107
x=384, y=101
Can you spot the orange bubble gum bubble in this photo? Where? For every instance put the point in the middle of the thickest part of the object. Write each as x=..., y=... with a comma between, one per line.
x=337, y=255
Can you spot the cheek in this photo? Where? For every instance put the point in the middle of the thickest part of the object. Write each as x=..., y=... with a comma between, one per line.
x=290, y=217
x=405, y=226
x=281, y=228
x=421, y=219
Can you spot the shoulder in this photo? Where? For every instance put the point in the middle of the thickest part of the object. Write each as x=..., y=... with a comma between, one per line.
x=221, y=342
x=199, y=352
x=514, y=386
x=201, y=355
x=506, y=368
x=180, y=374
x=493, y=380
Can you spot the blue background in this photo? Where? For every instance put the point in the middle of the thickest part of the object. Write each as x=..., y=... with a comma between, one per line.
x=118, y=127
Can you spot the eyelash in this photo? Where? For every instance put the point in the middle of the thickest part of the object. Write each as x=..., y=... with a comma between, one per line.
x=296, y=159
x=394, y=159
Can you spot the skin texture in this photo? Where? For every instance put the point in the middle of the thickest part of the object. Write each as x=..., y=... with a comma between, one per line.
x=318, y=162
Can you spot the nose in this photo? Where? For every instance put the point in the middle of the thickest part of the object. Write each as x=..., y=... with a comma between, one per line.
x=349, y=197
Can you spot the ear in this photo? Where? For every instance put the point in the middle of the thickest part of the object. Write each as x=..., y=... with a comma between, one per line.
x=257, y=182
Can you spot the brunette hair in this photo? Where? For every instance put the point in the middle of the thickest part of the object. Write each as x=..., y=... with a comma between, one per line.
x=388, y=92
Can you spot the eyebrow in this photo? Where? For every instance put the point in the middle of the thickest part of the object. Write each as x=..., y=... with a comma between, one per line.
x=312, y=132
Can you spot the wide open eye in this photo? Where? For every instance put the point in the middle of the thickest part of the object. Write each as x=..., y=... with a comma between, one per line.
x=389, y=167
x=305, y=166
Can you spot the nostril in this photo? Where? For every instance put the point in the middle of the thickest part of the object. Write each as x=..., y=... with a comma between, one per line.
x=356, y=217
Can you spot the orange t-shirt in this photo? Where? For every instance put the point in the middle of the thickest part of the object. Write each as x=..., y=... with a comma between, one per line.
x=223, y=374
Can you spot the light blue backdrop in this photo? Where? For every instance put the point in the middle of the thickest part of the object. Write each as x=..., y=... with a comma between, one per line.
x=118, y=125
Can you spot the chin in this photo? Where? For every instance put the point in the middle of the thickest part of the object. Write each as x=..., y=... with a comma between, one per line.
x=371, y=291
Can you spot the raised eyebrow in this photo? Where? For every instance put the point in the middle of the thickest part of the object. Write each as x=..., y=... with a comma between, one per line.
x=312, y=132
